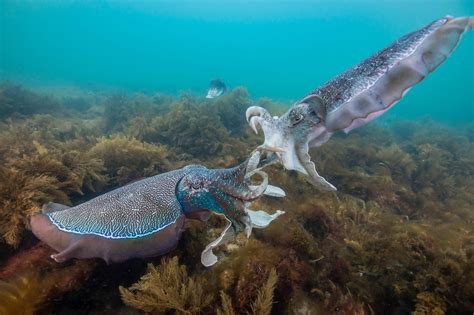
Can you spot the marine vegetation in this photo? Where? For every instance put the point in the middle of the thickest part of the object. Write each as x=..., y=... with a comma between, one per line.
x=29, y=291
x=168, y=287
x=16, y=100
x=20, y=296
x=397, y=237
x=263, y=302
x=126, y=158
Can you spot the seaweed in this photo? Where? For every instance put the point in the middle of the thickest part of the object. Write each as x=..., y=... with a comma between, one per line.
x=226, y=308
x=397, y=236
x=429, y=303
x=168, y=287
x=14, y=99
x=23, y=295
x=263, y=302
x=133, y=114
x=21, y=195
x=127, y=159
x=34, y=290
x=193, y=129
x=231, y=109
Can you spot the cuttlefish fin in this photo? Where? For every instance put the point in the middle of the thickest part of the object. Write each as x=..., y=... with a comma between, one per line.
x=423, y=52
x=311, y=175
x=208, y=258
x=53, y=207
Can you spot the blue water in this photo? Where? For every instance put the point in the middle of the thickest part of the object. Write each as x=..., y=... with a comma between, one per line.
x=276, y=49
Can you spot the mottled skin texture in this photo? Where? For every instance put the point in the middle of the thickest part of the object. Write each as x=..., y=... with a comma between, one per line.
x=145, y=218
x=339, y=90
x=355, y=97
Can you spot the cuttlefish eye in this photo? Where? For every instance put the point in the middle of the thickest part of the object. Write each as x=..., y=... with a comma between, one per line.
x=296, y=118
x=197, y=185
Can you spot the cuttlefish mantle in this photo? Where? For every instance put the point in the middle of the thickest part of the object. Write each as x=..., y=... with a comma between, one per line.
x=355, y=97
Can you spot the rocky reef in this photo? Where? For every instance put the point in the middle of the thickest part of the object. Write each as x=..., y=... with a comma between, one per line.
x=396, y=238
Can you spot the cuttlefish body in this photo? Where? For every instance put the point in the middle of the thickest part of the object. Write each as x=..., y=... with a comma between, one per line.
x=356, y=96
x=146, y=218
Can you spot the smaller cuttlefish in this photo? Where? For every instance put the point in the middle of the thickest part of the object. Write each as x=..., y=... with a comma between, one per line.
x=355, y=97
x=146, y=218
x=216, y=88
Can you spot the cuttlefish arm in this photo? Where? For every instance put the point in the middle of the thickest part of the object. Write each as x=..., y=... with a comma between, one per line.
x=239, y=217
x=254, y=219
x=356, y=96
x=208, y=258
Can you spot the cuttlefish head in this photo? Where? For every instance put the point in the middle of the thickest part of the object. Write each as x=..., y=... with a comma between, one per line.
x=288, y=138
x=227, y=192
x=221, y=191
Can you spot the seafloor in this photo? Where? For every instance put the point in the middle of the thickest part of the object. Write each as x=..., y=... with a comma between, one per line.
x=397, y=237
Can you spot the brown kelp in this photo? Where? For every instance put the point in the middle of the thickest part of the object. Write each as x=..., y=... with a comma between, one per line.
x=397, y=237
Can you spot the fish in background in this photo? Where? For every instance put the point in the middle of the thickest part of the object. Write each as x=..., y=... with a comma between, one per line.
x=216, y=88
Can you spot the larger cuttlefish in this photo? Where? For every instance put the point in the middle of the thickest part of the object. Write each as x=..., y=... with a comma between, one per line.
x=356, y=96
x=146, y=218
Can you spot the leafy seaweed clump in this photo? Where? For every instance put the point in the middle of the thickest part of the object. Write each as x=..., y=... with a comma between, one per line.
x=168, y=287
x=23, y=295
x=127, y=159
x=397, y=236
x=231, y=109
x=20, y=195
x=120, y=110
x=14, y=99
x=263, y=302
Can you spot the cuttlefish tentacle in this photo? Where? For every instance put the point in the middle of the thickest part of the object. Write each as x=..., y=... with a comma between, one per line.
x=356, y=96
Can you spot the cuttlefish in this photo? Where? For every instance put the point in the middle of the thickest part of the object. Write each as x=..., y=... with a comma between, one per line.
x=216, y=88
x=146, y=218
x=354, y=97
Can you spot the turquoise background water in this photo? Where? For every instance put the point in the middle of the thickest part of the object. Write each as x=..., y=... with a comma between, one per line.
x=277, y=49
